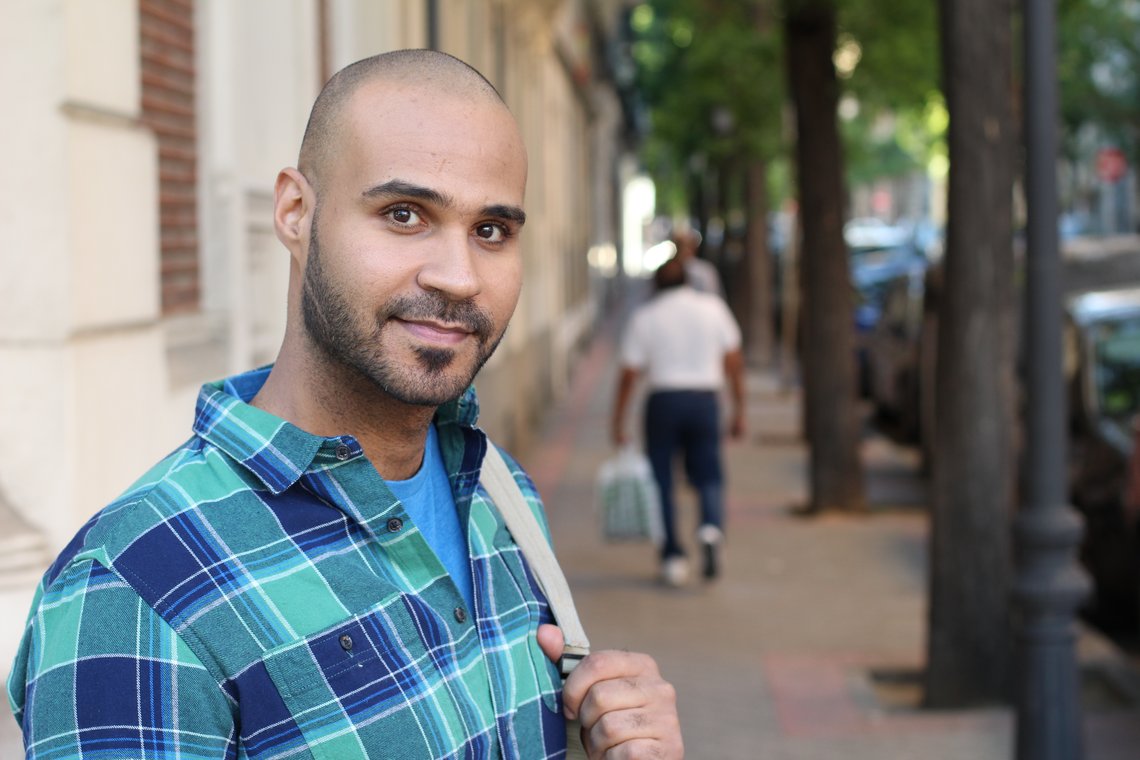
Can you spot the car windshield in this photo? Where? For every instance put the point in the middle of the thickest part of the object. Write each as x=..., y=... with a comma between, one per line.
x=1116, y=374
x=870, y=255
x=873, y=267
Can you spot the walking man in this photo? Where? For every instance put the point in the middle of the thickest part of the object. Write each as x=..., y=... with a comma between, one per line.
x=317, y=572
x=685, y=343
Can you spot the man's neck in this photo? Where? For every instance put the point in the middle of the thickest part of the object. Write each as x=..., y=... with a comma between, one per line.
x=330, y=401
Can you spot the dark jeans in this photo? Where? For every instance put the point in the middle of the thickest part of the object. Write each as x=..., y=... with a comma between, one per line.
x=689, y=422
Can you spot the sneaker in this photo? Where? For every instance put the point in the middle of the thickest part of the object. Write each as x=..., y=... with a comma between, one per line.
x=675, y=571
x=711, y=537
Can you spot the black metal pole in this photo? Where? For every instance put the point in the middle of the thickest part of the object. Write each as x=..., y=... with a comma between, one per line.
x=433, y=24
x=1050, y=585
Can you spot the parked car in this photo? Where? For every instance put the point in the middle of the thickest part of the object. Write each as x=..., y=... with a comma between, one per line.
x=1102, y=363
x=1102, y=376
x=894, y=352
x=879, y=254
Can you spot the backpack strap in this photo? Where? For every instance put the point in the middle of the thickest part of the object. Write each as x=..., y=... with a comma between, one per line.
x=499, y=482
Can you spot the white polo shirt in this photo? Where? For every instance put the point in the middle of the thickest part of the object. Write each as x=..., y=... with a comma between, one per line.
x=678, y=338
x=702, y=276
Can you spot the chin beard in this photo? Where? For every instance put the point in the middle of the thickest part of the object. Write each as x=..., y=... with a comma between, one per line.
x=435, y=360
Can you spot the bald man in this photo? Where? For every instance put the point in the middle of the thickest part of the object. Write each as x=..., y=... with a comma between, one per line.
x=317, y=573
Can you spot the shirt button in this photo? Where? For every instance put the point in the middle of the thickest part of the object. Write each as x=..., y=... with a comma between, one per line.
x=342, y=452
x=460, y=615
x=395, y=524
x=346, y=643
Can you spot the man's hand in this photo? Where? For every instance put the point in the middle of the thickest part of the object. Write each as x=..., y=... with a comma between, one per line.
x=734, y=371
x=736, y=425
x=627, y=710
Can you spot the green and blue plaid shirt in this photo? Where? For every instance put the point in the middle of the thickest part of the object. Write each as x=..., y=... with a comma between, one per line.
x=260, y=593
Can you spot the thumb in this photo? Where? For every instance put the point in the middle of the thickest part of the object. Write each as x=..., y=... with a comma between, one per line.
x=551, y=641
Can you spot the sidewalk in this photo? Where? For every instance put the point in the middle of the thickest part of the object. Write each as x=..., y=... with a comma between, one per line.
x=774, y=660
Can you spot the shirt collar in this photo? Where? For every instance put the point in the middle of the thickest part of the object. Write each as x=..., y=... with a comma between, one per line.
x=278, y=452
x=463, y=411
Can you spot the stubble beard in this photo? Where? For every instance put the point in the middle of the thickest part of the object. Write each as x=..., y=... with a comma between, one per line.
x=432, y=378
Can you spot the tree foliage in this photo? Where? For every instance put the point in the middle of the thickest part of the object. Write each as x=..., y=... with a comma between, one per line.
x=1098, y=69
x=892, y=143
x=713, y=81
x=898, y=52
x=887, y=55
x=711, y=72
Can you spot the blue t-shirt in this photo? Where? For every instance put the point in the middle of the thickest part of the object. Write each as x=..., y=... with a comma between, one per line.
x=428, y=499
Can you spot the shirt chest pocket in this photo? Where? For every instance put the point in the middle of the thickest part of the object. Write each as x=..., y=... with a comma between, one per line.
x=517, y=580
x=395, y=682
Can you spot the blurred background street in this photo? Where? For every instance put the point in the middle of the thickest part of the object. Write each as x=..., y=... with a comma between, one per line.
x=811, y=645
x=939, y=299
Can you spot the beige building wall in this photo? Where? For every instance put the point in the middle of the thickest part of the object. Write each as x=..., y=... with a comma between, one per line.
x=95, y=385
x=527, y=62
x=81, y=368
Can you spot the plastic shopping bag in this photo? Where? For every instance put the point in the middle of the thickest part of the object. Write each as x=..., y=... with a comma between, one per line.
x=628, y=499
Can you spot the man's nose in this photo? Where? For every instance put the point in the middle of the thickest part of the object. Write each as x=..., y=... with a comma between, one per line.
x=450, y=266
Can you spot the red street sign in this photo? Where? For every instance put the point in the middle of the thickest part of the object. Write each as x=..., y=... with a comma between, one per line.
x=1111, y=165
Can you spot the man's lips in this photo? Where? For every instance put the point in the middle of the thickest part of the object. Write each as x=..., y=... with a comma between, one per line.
x=436, y=332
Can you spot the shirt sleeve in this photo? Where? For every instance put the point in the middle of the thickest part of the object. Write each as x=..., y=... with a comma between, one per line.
x=100, y=674
x=730, y=331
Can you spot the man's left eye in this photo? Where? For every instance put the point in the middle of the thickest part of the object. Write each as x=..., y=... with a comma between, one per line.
x=492, y=233
x=404, y=216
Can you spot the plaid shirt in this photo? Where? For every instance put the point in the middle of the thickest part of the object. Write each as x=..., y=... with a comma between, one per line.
x=261, y=594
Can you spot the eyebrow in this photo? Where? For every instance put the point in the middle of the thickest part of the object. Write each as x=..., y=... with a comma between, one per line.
x=506, y=213
x=398, y=188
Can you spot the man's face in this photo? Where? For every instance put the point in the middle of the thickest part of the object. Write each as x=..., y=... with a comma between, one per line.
x=413, y=266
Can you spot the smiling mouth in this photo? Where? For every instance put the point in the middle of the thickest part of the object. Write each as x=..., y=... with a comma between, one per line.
x=434, y=332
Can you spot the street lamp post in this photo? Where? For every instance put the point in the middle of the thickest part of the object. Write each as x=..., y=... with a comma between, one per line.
x=1049, y=585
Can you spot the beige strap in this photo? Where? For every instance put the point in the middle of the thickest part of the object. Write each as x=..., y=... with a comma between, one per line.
x=496, y=477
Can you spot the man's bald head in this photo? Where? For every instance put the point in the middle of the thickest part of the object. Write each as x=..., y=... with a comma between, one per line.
x=686, y=240
x=429, y=69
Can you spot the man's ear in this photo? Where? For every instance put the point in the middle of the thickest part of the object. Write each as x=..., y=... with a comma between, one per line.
x=293, y=204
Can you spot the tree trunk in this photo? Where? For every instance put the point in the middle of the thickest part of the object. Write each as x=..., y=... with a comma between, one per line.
x=790, y=298
x=758, y=266
x=829, y=331
x=969, y=645
x=698, y=201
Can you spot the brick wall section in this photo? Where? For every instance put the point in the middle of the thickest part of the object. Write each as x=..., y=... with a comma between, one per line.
x=167, y=50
